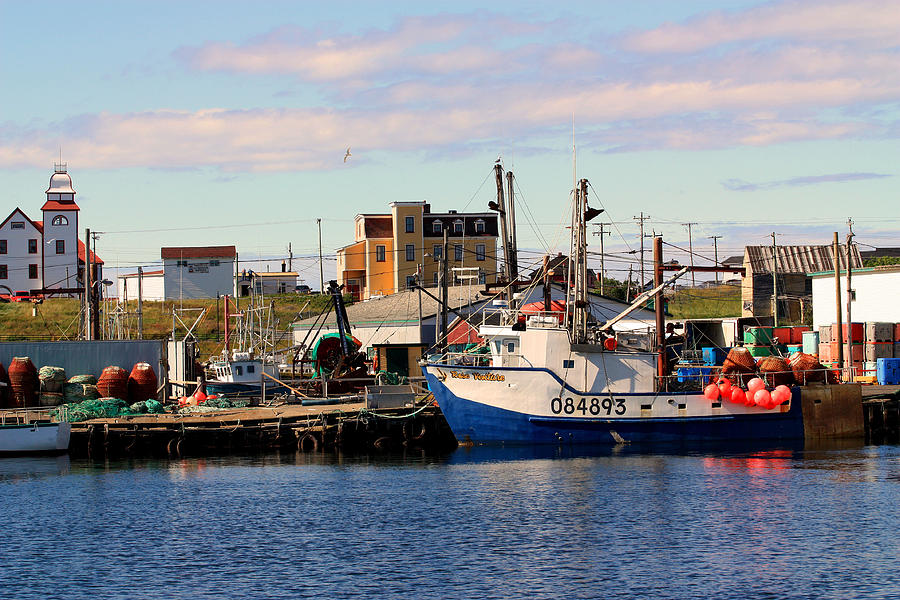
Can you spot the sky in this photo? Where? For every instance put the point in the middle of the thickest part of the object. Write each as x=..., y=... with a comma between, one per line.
x=217, y=123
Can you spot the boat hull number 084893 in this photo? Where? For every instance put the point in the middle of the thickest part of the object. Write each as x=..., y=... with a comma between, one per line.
x=593, y=406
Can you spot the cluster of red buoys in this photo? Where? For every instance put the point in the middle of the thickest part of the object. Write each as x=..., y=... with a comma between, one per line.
x=756, y=394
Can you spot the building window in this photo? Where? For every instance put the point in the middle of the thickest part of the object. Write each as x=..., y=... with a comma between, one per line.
x=32, y=246
x=380, y=253
x=479, y=252
x=2, y=246
x=479, y=226
x=17, y=225
x=410, y=224
x=435, y=278
x=3, y=273
x=457, y=226
x=59, y=220
x=436, y=227
x=410, y=282
x=481, y=276
x=32, y=272
x=437, y=252
x=60, y=246
x=457, y=252
x=410, y=253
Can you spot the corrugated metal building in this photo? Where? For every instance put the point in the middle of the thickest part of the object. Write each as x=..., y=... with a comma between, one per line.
x=792, y=266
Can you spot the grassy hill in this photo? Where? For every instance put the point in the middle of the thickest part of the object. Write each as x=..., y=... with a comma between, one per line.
x=58, y=319
x=706, y=303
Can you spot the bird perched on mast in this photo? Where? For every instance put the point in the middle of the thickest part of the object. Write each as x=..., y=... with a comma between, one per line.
x=347, y=155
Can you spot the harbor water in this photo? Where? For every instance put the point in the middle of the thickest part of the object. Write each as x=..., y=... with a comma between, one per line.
x=474, y=523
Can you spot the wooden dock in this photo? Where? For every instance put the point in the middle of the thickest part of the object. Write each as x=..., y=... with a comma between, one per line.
x=881, y=413
x=289, y=427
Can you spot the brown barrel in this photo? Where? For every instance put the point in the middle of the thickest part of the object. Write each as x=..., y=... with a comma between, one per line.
x=141, y=383
x=4, y=390
x=775, y=371
x=806, y=368
x=113, y=383
x=23, y=380
x=739, y=366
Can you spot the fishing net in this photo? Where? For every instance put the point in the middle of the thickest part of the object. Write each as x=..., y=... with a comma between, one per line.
x=79, y=392
x=83, y=379
x=52, y=379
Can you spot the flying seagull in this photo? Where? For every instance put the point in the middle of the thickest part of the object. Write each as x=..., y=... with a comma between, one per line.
x=346, y=156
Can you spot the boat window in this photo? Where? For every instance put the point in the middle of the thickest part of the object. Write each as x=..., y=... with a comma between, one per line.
x=511, y=347
x=239, y=370
x=251, y=369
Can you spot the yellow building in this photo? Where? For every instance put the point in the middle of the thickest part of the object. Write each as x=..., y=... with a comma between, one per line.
x=389, y=249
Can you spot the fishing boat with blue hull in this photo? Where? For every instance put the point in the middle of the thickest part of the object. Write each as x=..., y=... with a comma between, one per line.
x=560, y=376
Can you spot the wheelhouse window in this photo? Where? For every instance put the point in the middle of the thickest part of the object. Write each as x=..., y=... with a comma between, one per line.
x=380, y=253
x=32, y=246
x=32, y=271
x=251, y=369
x=457, y=226
x=59, y=220
x=479, y=252
x=436, y=227
x=479, y=226
x=410, y=225
x=60, y=246
x=238, y=370
x=410, y=253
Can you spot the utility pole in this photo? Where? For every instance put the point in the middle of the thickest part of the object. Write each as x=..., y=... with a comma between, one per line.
x=88, y=285
x=290, y=258
x=837, y=301
x=715, y=238
x=849, y=294
x=774, y=280
x=691, y=251
x=602, y=232
x=140, y=310
x=640, y=221
x=321, y=270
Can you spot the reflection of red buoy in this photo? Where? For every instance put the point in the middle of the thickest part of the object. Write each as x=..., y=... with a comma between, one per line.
x=610, y=343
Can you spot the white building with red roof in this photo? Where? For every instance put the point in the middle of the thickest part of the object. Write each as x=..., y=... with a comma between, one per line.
x=47, y=254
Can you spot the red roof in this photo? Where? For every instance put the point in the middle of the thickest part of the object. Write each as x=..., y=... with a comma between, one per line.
x=57, y=205
x=39, y=225
x=94, y=257
x=199, y=252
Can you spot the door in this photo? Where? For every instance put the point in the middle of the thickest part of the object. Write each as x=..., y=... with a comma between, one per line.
x=397, y=361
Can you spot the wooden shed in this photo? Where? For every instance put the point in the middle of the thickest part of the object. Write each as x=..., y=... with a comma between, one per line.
x=791, y=266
